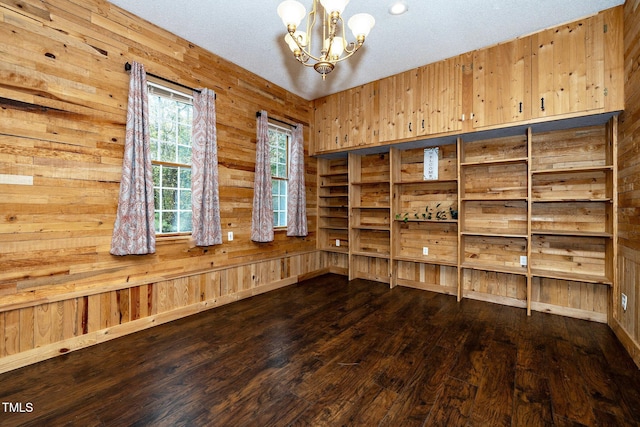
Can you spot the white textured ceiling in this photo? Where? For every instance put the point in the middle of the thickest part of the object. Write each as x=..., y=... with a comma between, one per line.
x=250, y=34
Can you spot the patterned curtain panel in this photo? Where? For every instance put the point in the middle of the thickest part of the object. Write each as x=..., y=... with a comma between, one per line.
x=296, y=197
x=262, y=216
x=205, y=199
x=134, y=232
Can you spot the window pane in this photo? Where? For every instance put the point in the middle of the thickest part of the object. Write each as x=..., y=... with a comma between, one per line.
x=185, y=221
x=169, y=199
x=184, y=113
x=167, y=152
x=185, y=178
x=169, y=222
x=184, y=134
x=185, y=200
x=170, y=177
x=156, y=175
x=184, y=155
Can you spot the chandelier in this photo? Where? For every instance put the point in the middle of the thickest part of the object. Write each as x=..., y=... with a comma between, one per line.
x=334, y=45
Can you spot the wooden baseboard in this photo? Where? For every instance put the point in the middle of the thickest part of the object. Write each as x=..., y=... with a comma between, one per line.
x=631, y=345
x=19, y=360
x=569, y=312
x=448, y=290
x=497, y=299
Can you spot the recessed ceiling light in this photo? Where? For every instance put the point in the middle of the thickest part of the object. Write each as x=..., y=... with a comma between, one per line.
x=398, y=8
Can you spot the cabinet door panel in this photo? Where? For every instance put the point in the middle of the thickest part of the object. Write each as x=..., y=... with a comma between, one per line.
x=397, y=106
x=322, y=136
x=439, y=100
x=502, y=83
x=568, y=68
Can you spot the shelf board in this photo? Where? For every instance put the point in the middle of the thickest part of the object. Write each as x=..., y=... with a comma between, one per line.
x=571, y=170
x=493, y=199
x=431, y=221
x=496, y=162
x=572, y=233
x=334, y=184
x=338, y=250
x=334, y=206
x=571, y=276
x=370, y=182
x=371, y=254
x=426, y=260
x=371, y=227
x=333, y=195
x=495, y=268
x=427, y=181
x=334, y=216
x=564, y=199
x=332, y=174
x=323, y=227
x=370, y=207
x=485, y=234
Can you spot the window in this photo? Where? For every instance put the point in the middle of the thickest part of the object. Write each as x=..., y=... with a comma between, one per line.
x=278, y=152
x=170, y=121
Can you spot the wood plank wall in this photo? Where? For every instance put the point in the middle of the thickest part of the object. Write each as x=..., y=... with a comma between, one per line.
x=626, y=324
x=63, y=96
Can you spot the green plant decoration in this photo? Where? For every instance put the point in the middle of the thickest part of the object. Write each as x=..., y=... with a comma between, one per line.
x=453, y=212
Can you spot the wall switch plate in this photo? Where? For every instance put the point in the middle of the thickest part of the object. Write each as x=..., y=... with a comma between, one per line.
x=230, y=236
x=624, y=302
x=425, y=251
x=337, y=242
x=523, y=261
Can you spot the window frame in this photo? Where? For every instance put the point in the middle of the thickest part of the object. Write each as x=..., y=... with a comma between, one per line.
x=166, y=90
x=287, y=131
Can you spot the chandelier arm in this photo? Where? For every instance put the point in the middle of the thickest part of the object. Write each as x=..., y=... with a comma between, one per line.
x=333, y=26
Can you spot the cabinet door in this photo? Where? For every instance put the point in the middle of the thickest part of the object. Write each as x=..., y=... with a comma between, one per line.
x=502, y=83
x=439, y=98
x=397, y=106
x=322, y=140
x=370, y=113
x=568, y=68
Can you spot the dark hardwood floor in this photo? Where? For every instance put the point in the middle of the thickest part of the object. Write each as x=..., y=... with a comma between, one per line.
x=332, y=352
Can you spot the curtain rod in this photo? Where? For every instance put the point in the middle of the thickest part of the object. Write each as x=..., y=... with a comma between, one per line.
x=127, y=67
x=258, y=114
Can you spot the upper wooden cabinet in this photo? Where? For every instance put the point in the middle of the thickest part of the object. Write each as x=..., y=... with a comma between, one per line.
x=573, y=66
x=562, y=72
x=439, y=100
x=501, y=83
x=397, y=103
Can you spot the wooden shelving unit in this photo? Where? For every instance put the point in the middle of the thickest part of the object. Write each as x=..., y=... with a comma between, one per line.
x=535, y=224
x=494, y=212
x=333, y=210
x=574, y=203
x=424, y=248
x=370, y=217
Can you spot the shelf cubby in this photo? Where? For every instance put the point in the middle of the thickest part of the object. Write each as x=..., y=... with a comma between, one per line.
x=494, y=181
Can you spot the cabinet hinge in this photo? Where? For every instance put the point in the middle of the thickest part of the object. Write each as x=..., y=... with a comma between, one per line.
x=606, y=28
x=606, y=91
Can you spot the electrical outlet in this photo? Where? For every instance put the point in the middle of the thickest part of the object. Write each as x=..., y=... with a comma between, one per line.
x=230, y=236
x=624, y=302
x=523, y=261
x=425, y=251
x=337, y=242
